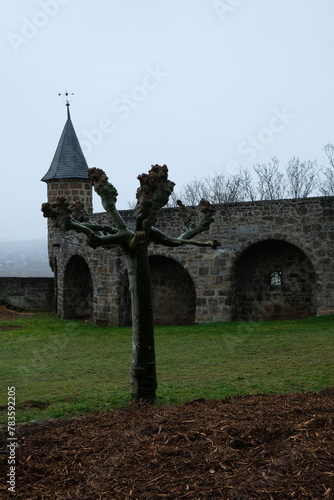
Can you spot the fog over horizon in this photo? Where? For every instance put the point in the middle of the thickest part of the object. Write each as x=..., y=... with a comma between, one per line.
x=204, y=87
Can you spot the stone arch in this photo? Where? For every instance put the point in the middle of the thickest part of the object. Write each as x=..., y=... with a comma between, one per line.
x=174, y=296
x=173, y=290
x=270, y=237
x=273, y=279
x=78, y=289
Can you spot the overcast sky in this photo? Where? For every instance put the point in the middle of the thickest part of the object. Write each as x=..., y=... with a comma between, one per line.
x=200, y=85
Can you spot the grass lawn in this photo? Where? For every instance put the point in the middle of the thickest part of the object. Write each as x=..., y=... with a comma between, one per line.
x=75, y=367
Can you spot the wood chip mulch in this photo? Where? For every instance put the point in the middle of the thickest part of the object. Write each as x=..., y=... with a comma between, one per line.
x=248, y=447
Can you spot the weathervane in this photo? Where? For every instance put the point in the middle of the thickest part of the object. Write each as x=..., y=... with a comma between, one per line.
x=66, y=94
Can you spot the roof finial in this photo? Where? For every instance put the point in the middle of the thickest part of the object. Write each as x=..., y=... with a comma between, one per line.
x=66, y=94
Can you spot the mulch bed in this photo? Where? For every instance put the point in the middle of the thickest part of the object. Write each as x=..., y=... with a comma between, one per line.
x=248, y=447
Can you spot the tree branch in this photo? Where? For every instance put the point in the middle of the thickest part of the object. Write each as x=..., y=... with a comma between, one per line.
x=185, y=215
x=206, y=218
x=61, y=213
x=108, y=194
x=95, y=239
x=103, y=228
x=162, y=238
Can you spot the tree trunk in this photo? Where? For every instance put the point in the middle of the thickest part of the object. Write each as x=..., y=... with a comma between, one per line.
x=143, y=371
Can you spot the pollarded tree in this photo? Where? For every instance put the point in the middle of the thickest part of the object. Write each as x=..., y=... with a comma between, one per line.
x=153, y=194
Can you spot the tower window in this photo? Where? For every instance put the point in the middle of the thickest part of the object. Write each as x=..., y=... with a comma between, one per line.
x=276, y=278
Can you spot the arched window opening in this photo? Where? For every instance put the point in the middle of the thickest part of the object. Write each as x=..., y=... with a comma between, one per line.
x=78, y=289
x=276, y=278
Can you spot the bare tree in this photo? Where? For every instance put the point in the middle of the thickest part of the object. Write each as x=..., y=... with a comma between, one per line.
x=327, y=184
x=191, y=193
x=221, y=189
x=218, y=188
x=247, y=187
x=271, y=185
x=153, y=193
x=329, y=151
x=302, y=178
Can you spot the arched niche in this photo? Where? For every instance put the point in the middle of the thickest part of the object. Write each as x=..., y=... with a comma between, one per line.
x=78, y=289
x=174, y=297
x=273, y=280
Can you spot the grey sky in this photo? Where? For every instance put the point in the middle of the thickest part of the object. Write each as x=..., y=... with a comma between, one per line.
x=200, y=85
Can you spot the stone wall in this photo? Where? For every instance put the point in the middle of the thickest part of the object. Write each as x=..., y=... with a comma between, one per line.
x=29, y=294
x=73, y=190
x=232, y=282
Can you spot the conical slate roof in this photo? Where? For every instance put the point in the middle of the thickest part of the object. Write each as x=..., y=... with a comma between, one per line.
x=69, y=160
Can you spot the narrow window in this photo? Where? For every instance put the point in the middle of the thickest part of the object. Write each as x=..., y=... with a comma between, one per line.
x=276, y=278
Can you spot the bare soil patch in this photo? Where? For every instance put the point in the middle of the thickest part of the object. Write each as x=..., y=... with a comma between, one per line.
x=4, y=328
x=9, y=314
x=249, y=447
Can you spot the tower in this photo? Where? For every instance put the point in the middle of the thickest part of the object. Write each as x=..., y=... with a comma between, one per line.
x=68, y=172
x=66, y=177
